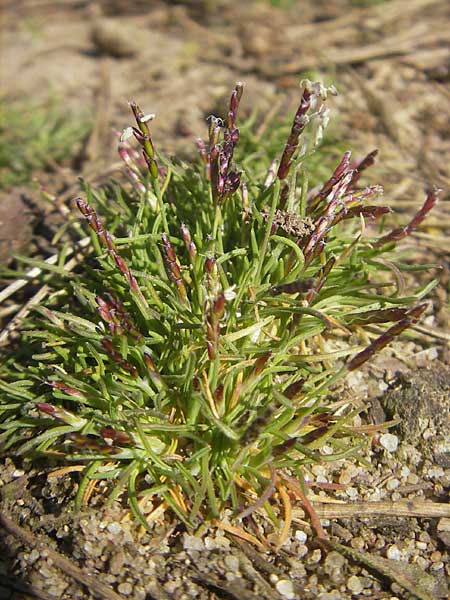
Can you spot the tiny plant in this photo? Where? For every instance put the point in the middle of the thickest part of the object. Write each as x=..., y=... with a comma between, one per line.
x=189, y=361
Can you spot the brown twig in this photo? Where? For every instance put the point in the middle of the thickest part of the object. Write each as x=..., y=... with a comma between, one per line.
x=240, y=533
x=27, y=591
x=400, y=508
x=6, y=333
x=40, y=294
x=29, y=539
x=18, y=284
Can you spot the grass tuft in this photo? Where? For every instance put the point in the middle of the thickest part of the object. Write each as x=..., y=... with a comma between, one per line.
x=36, y=138
x=190, y=366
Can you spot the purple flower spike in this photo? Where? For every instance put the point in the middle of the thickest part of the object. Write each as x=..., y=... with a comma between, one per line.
x=411, y=317
x=190, y=246
x=214, y=171
x=173, y=267
x=135, y=180
x=400, y=233
x=104, y=236
x=299, y=124
x=143, y=136
x=114, y=436
x=113, y=312
x=214, y=312
x=214, y=130
x=362, y=165
x=218, y=158
x=371, y=212
x=46, y=408
x=59, y=385
x=118, y=358
x=232, y=183
x=210, y=262
x=94, y=222
x=61, y=414
x=294, y=389
x=340, y=171
x=234, y=104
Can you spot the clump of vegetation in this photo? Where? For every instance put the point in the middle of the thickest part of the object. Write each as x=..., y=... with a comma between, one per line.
x=191, y=364
x=35, y=138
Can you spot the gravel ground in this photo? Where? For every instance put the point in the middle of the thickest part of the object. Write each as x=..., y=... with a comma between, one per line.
x=376, y=547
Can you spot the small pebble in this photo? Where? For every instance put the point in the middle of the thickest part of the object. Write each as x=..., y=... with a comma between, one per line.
x=392, y=484
x=231, y=562
x=192, y=542
x=45, y=572
x=301, y=536
x=354, y=584
x=374, y=496
x=322, y=479
x=171, y=586
x=413, y=479
x=421, y=545
x=422, y=562
x=319, y=471
x=393, y=553
x=334, y=561
x=443, y=524
x=34, y=555
x=389, y=442
x=117, y=562
x=285, y=588
x=383, y=386
x=435, y=556
x=435, y=472
x=114, y=528
x=314, y=557
x=424, y=536
x=423, y=358
x=380, y=542
x=333, y=595
x=346, y=476
x=428, y=433
x=357, y=543
x=405, y=471
x=125, y=588
x=351, y=492
x=312, y=582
